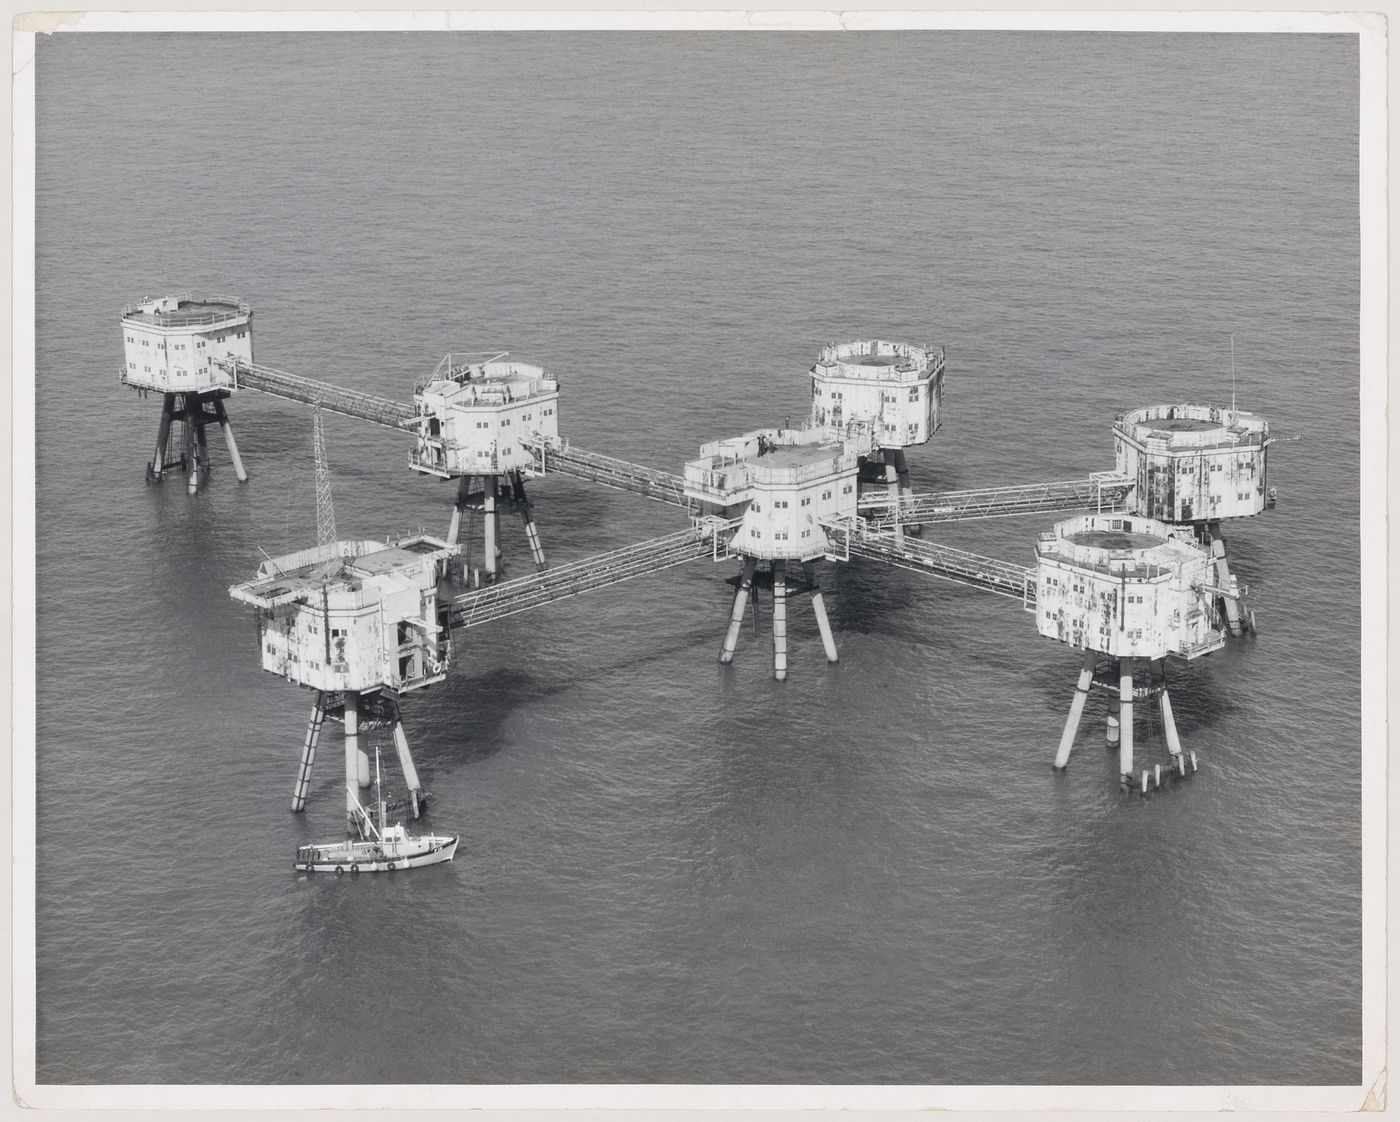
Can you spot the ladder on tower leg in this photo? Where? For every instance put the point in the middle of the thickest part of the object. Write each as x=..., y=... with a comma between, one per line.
x=707, y=538
x=1102, y=493
x=559, y=456
x=333, y=399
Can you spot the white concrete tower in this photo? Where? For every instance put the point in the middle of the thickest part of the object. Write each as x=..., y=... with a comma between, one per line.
x=358, y=620
x=892, y=391
x=170, y=345
x=1194, y=466
x=788, y=486
x=1133, y=590
x=472, y=414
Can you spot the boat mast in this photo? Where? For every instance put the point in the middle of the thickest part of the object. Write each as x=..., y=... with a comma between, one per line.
x=379, y=794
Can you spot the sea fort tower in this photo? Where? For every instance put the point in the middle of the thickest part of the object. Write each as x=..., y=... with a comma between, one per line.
x=1128, y=592
x=893, y=390
x=472, y=417
x=1195, y=465
x=787, y=486
x=171, y=347
x=359, y=621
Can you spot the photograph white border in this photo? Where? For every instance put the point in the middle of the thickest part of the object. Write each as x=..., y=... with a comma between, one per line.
x=1370, y=1093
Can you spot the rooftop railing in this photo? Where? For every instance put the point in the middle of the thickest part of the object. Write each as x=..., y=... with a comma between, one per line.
x=183, y=317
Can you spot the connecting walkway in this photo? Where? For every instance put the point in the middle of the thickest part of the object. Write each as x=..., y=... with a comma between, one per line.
x=333, y=399
x=1102, y=493
x=932, y=559
x=558, y=456
x=704, y=539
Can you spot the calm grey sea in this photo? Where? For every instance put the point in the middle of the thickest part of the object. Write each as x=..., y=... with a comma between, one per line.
x=673, y=871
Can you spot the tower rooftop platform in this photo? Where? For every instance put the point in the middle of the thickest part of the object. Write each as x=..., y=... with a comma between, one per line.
x=1098, y=538
x=1188, y=427
x=798, y=456
x=1135, y=547
x=461, y=378
x=877, y=359
x=185, y=311
x=341, y=567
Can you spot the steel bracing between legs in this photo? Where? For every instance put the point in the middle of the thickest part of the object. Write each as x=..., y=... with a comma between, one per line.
x=194, y=411
x=747, y=594
x=360, y=712
x=485, y=495
x=1128, y=681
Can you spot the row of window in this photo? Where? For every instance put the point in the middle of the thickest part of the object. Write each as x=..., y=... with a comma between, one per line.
x=505, y=421
x=199, y=343
x=1051, y=617
x=778, y=536
x=175, y=370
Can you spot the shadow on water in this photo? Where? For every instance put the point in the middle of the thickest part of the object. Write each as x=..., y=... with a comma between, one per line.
x=485, y=701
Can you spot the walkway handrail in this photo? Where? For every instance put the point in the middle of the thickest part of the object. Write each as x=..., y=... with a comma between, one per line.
x=989, y=574
x=1102, y=493
x=704, y=539
x=553, y=455
x=334, y=399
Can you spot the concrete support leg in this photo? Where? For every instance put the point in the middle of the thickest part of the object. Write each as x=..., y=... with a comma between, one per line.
x=489, y=548
x=532, y=535
x=1223, y=579
x=736, y=617
x=780, y=620
x=454, y=527
x=352, y=759
x=1168, y=720
x=228, y=439
x=188, y=447
x=362, y=772
x=1125, y=703
x=819, y=610
x=167, y=412
x=410, y=773
x=458, y=565
x=906, y=489
x=308, y=750
x=892, y=485
x=1076, y=710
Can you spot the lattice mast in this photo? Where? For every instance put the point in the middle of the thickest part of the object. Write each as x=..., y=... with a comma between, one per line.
x=325, y=509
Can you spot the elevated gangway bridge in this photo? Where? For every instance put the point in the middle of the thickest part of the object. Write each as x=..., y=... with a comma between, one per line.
x=856, y=539
x=1100, y=493
x=705, y=538
x=559, y=457
x=564, y=459
x=331, y=398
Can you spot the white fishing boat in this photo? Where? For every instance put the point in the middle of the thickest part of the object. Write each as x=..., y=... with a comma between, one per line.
x=382, y=849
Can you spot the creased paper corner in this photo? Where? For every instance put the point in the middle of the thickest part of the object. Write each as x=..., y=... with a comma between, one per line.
x=45, y=23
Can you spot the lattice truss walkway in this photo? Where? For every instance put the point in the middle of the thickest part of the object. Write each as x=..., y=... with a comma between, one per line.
x=876, y=534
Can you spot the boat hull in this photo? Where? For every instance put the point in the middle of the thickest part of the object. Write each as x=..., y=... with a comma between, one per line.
x=368, y=857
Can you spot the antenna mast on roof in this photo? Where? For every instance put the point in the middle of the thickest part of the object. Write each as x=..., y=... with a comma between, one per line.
x=1232, y=372
x=325, y=511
